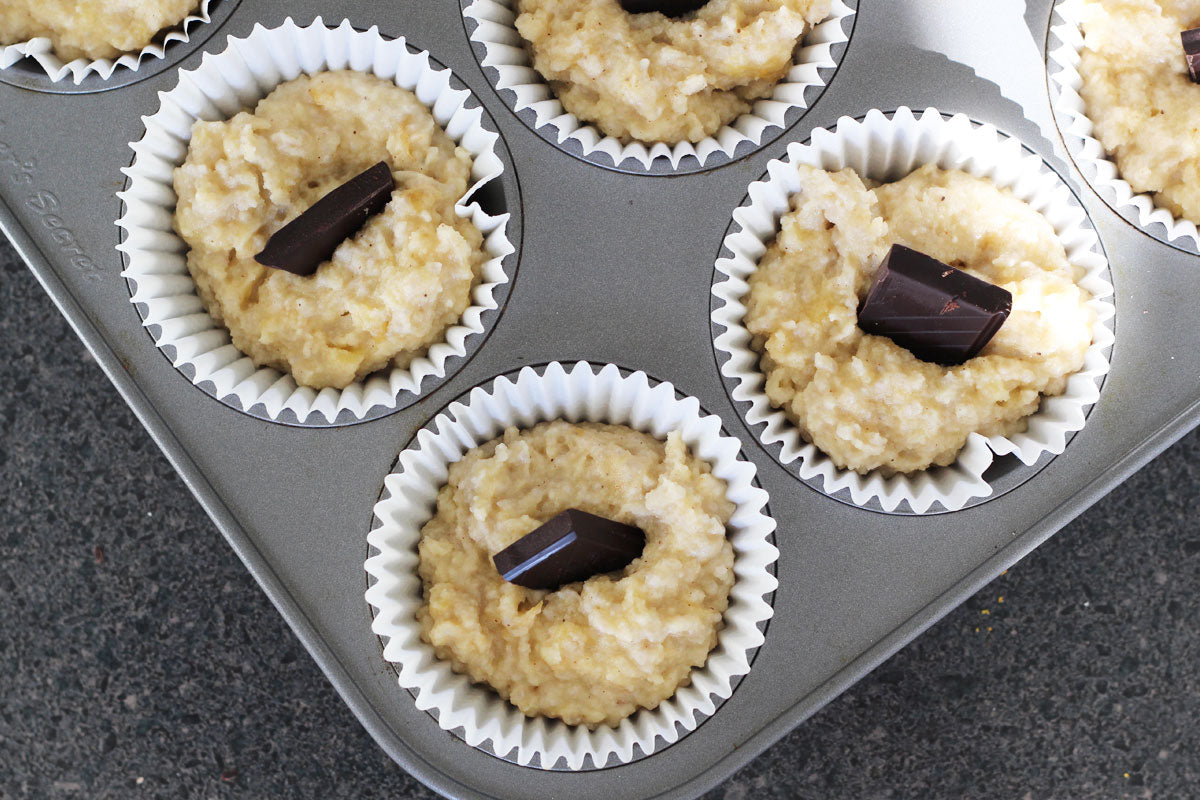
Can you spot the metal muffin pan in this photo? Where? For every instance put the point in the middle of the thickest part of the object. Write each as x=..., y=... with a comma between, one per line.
x=613, y=267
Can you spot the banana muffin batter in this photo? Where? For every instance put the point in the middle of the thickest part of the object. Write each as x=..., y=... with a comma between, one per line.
x=596, y=651
x=91, y=29
x=660, y=79
x=864, y=400
x=1144, y=107
x=388, y=292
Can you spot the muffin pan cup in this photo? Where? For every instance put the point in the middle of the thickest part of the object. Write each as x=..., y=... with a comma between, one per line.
x=614, y=268
x=507, y=62
x=156, y=267
x=575, y=393
x=40, y=51
x=1100, y=169
x=884, y=148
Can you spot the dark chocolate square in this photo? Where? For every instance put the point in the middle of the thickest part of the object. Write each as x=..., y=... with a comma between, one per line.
x=671, y=8
x=310, y=239
x=572, y=546
x=1191, y=52
x=936, y=312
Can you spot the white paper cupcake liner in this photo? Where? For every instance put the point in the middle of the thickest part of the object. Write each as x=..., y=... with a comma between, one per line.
x=886, y=148
x=578, y=394
x=1089, y=154
x=222, y=85
x=508, y=64
x=40, y=50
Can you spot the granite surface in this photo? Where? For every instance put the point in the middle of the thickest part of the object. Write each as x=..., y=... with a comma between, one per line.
x=139, y=659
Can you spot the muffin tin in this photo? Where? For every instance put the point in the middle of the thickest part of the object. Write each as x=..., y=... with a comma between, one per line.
x=611, y=267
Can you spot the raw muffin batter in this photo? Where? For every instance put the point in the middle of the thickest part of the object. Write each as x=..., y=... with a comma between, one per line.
x=657, y=79
x=867, y=402
x=90, y=29
x=591, y=652
x=1145, y=109
x=387, y=293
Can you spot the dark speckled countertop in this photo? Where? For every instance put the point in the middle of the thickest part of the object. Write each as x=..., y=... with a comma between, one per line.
x=139, y=659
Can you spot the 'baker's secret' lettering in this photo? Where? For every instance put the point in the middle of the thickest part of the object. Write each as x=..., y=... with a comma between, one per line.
x=46, y=208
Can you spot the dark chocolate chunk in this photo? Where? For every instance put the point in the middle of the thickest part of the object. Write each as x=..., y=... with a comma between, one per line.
x=938, y=313
x=302, y=244
x=672, y=8
x=1191, y=52
x=572, y=546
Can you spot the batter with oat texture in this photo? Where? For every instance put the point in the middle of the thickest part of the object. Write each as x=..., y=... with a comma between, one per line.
x=864, y=400
x=596, y=651
x=387, y=293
